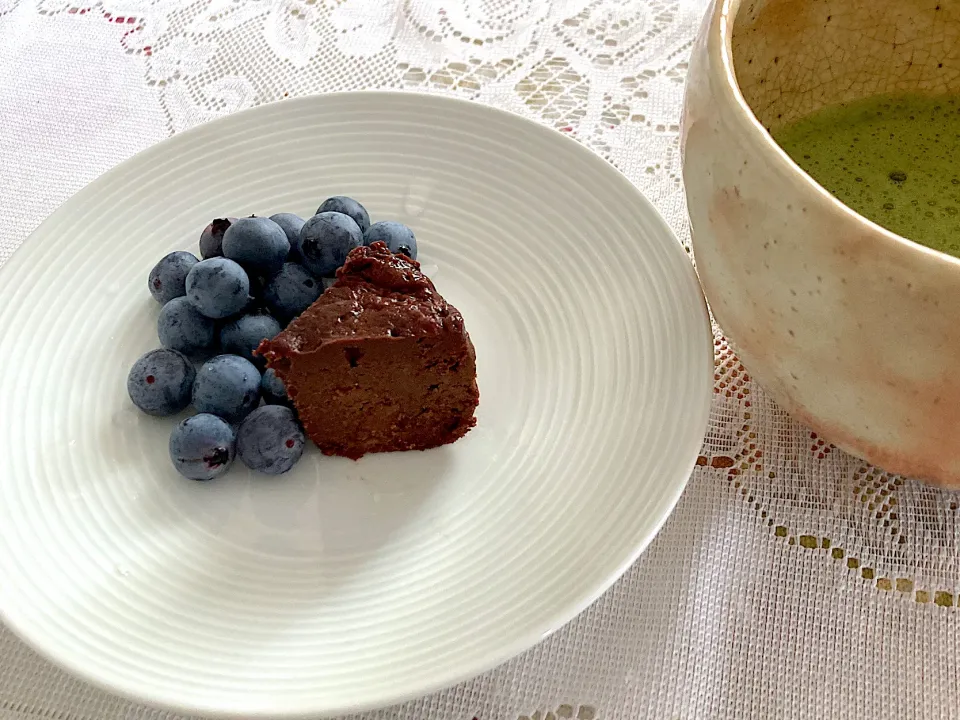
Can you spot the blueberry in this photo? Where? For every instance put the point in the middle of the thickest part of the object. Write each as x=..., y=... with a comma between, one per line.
x=325, y=241
x=243, y=335
x=182, y=327
x=168, y=279
x=347, y=206
x=257, y=243
x=160, y=382
x=270, y=440
x=272, y=388
x=218, y=287
x=397, y=237
x=291, y=291
x=211, y=239
x=290, y=224
x=202, y=447
x=228, y=386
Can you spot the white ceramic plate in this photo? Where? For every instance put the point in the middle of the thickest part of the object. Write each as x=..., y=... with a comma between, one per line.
x=344, y=585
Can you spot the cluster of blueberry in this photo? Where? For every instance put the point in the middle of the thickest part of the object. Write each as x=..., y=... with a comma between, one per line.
x=257, y=274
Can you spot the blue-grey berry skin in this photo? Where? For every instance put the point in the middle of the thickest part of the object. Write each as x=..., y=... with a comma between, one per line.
x=242, y=335
x=211, y=239
x=258, y=244
x=182, y=327
x=168, y=279
x=203, y=447
x=228, y=386
x=347, y=206
x=290, y=224
x=160, y=382
x=272, y=388
x=291, y=291
x=397, y=237
x=270, y=440
x=218, y=287
x=325, y=241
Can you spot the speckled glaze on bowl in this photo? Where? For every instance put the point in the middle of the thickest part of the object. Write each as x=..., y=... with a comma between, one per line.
x=851, y=328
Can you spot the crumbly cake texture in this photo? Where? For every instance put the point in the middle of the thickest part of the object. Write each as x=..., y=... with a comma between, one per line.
x=380, y=362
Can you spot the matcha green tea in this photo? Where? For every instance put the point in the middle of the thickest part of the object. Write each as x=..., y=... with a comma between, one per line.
x=894, y=160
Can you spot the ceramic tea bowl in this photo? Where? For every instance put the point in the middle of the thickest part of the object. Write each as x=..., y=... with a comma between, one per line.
x=852, y=329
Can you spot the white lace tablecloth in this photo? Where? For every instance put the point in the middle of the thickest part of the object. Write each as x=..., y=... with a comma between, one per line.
x=792, y=581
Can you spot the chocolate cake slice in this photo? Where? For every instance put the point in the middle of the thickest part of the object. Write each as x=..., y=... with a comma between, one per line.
x=380, y=362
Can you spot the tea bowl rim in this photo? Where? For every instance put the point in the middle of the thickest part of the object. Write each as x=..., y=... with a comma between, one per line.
x=720, y=27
